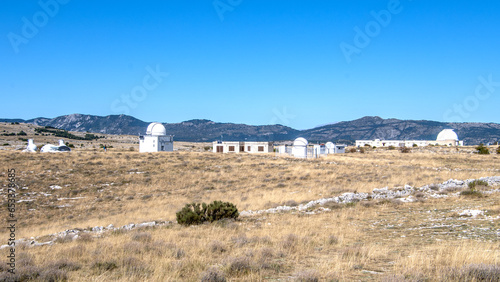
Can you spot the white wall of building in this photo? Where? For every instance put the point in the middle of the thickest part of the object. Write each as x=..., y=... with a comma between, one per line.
x=241, y=147
x=148, y=144
x=447, y=137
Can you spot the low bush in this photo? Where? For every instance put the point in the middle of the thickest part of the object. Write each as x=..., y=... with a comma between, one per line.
x=309, y=275
x=472, y=185
x=471, y=192
x=498, y=150
x=196, y=213
x=482, y=150
x=239, y=265
x=405, y=150
x=213, y=274
x=217, y=247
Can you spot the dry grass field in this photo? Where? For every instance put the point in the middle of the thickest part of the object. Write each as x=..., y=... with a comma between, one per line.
x=426, y=240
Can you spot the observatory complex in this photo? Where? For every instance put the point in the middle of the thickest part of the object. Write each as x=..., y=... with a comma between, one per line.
x=447, y=137
x=302, y=149
x=156, y=139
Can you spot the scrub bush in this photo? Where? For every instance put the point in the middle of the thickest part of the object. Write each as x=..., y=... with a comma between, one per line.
x=482, y=150
x=196, y=213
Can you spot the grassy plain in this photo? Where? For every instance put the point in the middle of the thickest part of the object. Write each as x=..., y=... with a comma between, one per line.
x=370, y=240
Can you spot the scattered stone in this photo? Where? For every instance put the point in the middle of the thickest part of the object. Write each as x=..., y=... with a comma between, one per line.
x=403, y=194
x=471, y=213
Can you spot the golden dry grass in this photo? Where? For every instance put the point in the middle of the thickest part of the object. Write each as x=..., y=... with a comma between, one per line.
x=365, y=241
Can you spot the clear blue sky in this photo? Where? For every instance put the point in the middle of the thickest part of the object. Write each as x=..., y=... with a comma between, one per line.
x=298, y=63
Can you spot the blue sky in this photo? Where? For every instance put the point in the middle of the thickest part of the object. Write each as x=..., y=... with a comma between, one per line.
x=297, y=63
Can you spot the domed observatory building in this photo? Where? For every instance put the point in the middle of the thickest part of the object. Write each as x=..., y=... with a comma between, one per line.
x=49, y=148
x=156, y=139
x=448, y=137
x=299, y=148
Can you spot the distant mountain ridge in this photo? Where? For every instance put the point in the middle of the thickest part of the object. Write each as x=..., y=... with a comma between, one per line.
x=201, y=130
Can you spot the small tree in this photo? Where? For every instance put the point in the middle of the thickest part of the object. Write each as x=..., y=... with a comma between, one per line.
x=482, y=150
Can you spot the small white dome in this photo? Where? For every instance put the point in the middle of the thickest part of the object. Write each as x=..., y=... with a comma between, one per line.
x=300, y=142
x=447, y=134
x=329, y=145
x=156, y=129
x=48, y=148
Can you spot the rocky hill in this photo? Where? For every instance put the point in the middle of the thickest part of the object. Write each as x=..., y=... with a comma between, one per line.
x=346, y=131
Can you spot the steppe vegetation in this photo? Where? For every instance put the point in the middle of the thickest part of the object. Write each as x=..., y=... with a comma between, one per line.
x=384, y=240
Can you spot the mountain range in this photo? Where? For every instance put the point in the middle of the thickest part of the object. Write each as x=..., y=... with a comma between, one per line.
x=201, y=130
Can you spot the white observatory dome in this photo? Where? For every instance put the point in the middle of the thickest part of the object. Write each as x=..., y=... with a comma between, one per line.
x=447, y=134
x=300, y=142
x=156, y=129
x=329, y=145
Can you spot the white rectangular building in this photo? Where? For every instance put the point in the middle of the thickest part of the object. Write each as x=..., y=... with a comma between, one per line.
x=242, y=147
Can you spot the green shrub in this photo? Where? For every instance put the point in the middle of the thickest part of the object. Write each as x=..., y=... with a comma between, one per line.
x=482, y=150
x=22, y=133
x=415, y=145
x=472, y=191
x=219, y=210
x=392, y=147
x=196, y=213
x=498, y=150
x=191, y=214
x=472, y=185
